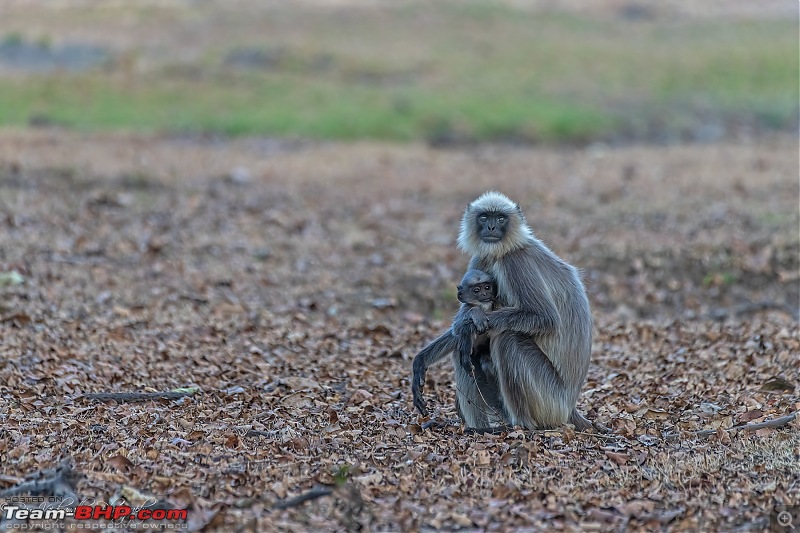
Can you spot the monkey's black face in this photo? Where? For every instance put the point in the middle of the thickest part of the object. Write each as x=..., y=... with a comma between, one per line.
x=492, y=227
x=478, y=293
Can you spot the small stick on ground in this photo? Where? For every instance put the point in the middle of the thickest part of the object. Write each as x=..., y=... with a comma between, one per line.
x=607, y=436
x=313, y=494
x=129, y=397
x=774, y=423
x=259, y=433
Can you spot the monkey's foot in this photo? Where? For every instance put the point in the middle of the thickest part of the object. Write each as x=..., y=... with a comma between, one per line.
x=419, y=404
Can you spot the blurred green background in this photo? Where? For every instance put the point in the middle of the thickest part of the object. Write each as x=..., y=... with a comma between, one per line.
x=439, y=72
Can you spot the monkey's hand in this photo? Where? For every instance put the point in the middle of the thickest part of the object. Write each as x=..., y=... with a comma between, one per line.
x=479, y=319
x=465, y=352
x=417, y=382
x=464, y=326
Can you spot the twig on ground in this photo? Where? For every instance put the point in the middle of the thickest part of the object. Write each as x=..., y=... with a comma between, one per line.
x=259, y=433
x=123, y=397
x=313, y=494
x=774, y=423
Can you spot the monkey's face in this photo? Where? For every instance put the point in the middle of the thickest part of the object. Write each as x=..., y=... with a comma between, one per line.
x=477, y=293
x=491, y=226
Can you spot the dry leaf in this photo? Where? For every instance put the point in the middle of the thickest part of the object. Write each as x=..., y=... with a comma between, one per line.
x=600, y=515
x=482, y=458
x=619, y=458
x=636, y=507
x=749, y=416
x=656, y=414
x=133, y=496
x=723, y=436
x=308, y=348
x=360, y=396
x=121, y=463
x=204, y=519
x=777, y=384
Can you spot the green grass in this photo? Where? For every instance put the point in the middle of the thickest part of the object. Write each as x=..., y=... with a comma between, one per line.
x=290, y=107
x=472, y=71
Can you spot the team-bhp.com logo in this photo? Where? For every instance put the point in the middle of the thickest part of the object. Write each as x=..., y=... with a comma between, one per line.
x=94, y=512
x=117, y=513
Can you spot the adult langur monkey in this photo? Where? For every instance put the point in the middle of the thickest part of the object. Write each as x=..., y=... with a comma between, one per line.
x=541, y=337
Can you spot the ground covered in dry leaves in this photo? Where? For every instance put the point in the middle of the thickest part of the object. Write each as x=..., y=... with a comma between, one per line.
x=292, y=283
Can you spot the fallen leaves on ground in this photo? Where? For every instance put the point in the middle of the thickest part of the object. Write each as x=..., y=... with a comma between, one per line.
x=288, y=309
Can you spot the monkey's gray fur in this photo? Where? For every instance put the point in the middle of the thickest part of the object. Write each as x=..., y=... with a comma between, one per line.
x=541, y=336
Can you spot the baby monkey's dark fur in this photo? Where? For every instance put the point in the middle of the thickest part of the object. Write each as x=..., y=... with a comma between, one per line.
x=478, y=292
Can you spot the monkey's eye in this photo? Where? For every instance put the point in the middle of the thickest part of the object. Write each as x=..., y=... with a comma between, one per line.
x=483, y=218
x=488, y=287
x=476, y=290
x=501, y=220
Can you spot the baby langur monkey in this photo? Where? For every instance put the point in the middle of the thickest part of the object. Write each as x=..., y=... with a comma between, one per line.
x=478, y=293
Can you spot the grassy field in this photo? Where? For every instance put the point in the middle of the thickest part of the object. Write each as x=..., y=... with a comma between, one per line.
x=441, y=72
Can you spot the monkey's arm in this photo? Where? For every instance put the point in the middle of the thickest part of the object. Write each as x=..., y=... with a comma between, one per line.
x=534, y=311
x=432, y=353
x=534, y=322
x=474, y=321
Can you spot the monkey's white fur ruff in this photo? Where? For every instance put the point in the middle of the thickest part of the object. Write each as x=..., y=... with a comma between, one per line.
x=518, y=233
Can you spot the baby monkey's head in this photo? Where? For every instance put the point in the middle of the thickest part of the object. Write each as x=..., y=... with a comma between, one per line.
x=477, y=288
